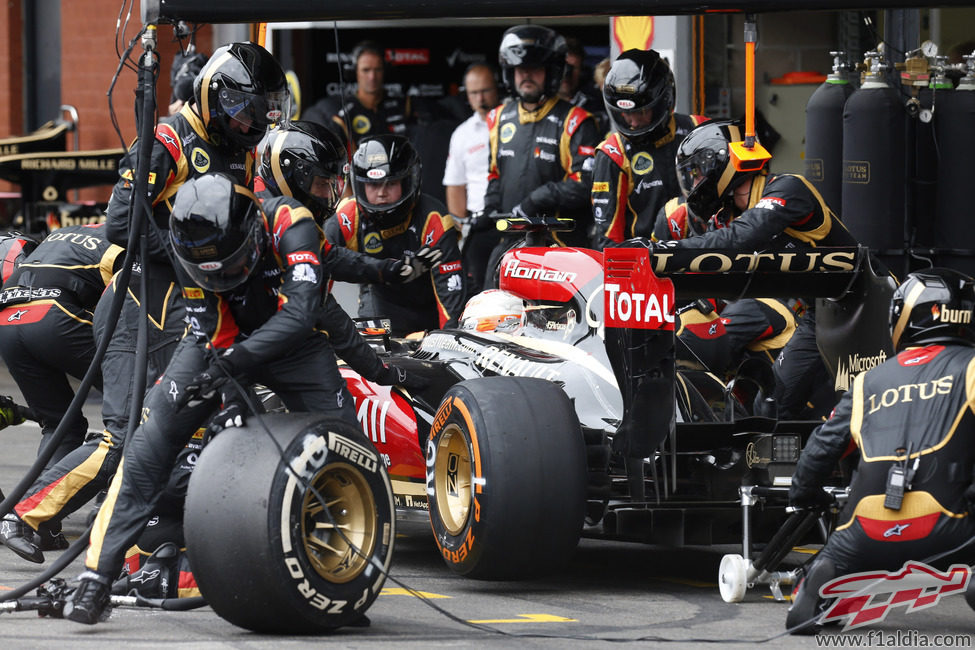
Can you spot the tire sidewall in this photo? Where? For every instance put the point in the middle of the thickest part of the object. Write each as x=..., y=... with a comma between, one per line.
x=462, y=550
x=321, y=602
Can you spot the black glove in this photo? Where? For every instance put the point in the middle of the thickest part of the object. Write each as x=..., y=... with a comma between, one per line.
x=393, y=376
x=524, y=210
x=233, y=415
x=393, y=271
x=419, y=263
x=10, y=413
x=205, y=385
x=811, y=498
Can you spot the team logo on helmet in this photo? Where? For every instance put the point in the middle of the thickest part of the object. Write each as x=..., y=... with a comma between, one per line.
x=507, y=132
x=376, y=174
x=626, y=104
x=274, y=115
x=361, y=124
x=200, y=160
x=642, y=163
x=211, y=266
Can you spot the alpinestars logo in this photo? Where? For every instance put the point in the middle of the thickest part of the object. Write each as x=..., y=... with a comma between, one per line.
x=854, y=365
x=896, y=530
x=864, y=598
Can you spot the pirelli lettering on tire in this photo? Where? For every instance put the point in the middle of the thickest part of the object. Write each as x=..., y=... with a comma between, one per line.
x=358, y=454
x=442, y=414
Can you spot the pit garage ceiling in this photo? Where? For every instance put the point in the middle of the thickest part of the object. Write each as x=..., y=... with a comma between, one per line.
x=244, y=11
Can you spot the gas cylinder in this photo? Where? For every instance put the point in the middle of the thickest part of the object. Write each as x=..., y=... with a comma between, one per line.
x=874, y=177
x=954, y=132
x=824, y=131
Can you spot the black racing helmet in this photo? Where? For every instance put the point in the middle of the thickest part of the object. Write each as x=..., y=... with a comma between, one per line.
x=705, y=170
x=14, y=249
x=933, y=306
x=217, y=231
x=306, y=161
x=532, y=46
x=640, y=85
x=383, y=159
x=241, y=83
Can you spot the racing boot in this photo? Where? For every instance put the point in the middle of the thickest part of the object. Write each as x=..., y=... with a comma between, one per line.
x=157, y=578
x=19, y=538
x=91, y=601
x=50, y=538
x=807, y=606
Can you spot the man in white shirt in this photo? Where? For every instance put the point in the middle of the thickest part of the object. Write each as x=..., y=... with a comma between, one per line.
x=465, y=176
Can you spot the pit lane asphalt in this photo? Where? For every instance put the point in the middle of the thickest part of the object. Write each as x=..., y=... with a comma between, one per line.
x=610, y=590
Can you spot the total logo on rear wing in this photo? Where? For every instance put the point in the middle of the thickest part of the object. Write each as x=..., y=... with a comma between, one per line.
x=633, y=297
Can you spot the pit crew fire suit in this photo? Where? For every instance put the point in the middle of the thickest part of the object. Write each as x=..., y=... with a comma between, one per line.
x=920, y=402
x=537, y=161
x=344, y=265
x=431, y=301
x=181, y=150
x=631, y=182
x=269, y=324
x=719, y=341
x=46, y=322
x=391, y=116
x=785, y=211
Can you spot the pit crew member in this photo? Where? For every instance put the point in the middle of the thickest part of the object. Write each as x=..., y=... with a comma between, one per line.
x=912, y=421
x=390, y=218
x=633, y=173
x=757, y=210
x=235, y=96
x=254, y=288
x=540, y=143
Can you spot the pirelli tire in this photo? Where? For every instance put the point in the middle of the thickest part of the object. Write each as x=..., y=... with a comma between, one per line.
x=265, y=552
x=506, y=478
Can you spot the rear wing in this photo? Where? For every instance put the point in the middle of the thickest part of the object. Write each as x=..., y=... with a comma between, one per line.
x=641, y=286
x=781, y=273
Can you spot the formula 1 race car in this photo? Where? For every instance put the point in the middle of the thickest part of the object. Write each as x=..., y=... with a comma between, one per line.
x=570, y=418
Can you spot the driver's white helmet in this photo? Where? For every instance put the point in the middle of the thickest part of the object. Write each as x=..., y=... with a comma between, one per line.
x=494, y=310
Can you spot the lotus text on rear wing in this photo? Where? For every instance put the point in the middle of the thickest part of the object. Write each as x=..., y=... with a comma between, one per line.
x=773, y=261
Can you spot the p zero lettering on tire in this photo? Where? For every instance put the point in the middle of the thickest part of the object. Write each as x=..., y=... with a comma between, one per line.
x=506, y=478
x=271, y=555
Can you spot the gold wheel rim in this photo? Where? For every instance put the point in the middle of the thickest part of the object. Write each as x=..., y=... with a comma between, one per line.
x=330, y=538
x=453, y=482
